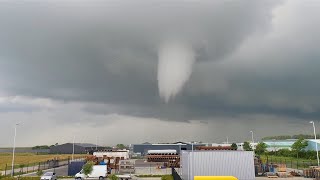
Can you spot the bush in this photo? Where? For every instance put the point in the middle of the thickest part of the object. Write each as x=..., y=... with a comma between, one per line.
x=113, y=177
x=87, y=168
x=40, y=172
x=167, y=177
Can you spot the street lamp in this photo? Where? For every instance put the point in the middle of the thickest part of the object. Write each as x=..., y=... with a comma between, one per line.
x=315, y=138
x=252, y=137
x=14, y=147
x=74, y=137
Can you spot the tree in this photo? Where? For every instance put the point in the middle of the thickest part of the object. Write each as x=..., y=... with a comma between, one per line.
x=87, y=168
x=299, y=145
x=121, y=146
x=234, y=146
x=261, y=148
x=246, y=146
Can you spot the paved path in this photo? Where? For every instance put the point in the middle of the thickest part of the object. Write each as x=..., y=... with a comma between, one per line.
x=60, y=171
x=31, y=168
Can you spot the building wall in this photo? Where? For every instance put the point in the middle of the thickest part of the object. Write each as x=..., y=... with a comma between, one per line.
x=239, y=164
x=312, y=145
x=67, y=149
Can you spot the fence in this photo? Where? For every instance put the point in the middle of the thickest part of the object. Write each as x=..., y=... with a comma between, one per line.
x=34, y=167
x=293, y=164
x=175, y=175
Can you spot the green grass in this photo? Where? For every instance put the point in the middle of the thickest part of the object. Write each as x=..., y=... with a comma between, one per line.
x=30, y=159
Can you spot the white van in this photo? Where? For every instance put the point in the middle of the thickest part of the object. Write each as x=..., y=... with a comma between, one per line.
x=98, y=171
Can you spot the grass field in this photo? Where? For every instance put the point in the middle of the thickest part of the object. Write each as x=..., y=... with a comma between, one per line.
x=31, y=158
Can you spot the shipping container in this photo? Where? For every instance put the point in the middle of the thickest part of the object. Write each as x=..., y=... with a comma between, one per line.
x=239, y=164
x=163, y=151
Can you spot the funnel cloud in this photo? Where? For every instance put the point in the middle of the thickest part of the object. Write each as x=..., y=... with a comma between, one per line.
x=174, y=68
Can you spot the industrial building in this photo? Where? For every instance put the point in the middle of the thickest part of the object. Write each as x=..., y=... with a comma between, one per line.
x=143, y=149
x=312, y=145
x=275, y=145
x=79, y=148
x=239, y=164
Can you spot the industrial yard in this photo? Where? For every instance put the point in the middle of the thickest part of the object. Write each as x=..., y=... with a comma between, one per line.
x=181, y=160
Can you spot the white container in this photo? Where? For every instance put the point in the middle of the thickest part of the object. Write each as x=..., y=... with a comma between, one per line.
x=165, y=151
x=239, y=164
x=124, y=154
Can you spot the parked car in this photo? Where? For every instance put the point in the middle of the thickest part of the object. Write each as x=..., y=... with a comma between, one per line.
x=49, y=176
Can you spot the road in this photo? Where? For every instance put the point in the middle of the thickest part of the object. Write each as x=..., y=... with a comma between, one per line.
x=32, y=168
x=60, y=171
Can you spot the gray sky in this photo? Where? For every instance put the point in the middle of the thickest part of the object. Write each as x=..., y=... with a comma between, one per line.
x=157, y=71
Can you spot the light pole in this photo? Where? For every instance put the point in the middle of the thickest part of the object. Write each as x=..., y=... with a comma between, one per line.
x=97, y=143
x=74, y=137
x=14, y=148
x=315, y=138
x=252, y=140
x=252, y=137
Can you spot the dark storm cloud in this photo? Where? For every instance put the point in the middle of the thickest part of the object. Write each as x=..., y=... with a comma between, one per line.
x=106, y=52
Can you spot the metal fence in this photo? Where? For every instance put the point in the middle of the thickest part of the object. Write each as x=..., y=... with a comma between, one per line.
x=35, y=167
x=293, y=164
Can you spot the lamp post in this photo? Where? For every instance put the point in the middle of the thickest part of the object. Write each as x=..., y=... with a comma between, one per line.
x=74, y=137
x=252, y=140
x=315, y=138
x=14, y=148
x=252, y=137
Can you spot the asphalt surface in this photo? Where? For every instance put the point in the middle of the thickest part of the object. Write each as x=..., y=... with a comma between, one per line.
x=60, y=171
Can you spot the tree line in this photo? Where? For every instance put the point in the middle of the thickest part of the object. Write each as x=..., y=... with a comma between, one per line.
x=297, y=150
x=284, y=137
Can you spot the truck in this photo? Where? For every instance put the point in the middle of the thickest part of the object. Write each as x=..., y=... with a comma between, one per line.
x=98, y=171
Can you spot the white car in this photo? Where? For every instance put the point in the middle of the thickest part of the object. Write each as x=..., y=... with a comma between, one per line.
x=49, y=176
